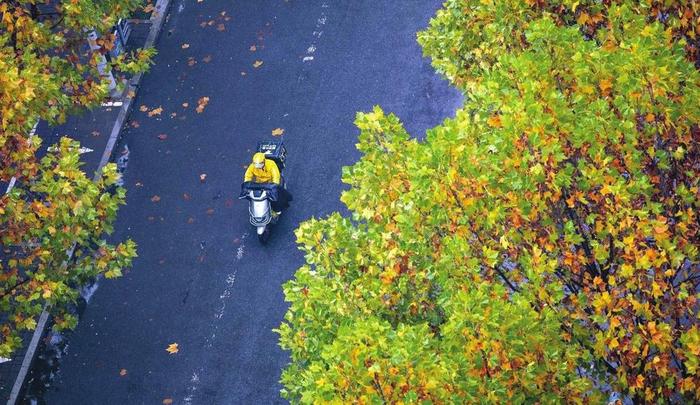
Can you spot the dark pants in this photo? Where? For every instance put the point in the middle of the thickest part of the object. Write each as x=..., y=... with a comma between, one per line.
x=283, y=199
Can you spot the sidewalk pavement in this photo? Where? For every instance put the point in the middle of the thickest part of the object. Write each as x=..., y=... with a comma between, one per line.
x=97, y=131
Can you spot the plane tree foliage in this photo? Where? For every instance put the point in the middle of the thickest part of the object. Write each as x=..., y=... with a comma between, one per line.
x=54, y=220
x=540, y=246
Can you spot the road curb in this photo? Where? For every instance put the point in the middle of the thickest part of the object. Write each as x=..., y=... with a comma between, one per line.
x=161, y=8
x=157, y=19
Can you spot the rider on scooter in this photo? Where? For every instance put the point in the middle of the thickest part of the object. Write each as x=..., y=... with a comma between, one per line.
x=263, y=170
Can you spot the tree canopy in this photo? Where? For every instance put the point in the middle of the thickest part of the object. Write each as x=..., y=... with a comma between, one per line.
x=48, y=71
x=542, y=245
x=53, y=222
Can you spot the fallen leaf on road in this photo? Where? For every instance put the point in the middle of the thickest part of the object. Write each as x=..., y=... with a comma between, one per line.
x=253, y=48
x=122, y=372
x=155, y=198
x=203, y=177
x=185, y=46
x=210, y=23
x=203, y=24
x=172, y=348
x=185, y=105
x=135, y=124
x=190, y=220
x=210, y=211
x=131, y=94
x=201, y=103
x=151, y=218
x=95, y=133
x=155, y=111
x=243, y=73
x=161, y=261
x=139, y=184
x=227, y=18
x=186, y=196
x=257, y=64
x=162, y=137
x=277, y=131
x=167, y=401
x=148, y=8
x=221, y=27
x=206, y=59
x=143, y=108
x=173, y=115
x=191, y=61
x=223, y=13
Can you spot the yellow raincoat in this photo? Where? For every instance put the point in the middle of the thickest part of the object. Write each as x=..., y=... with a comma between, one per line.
x=267, y=174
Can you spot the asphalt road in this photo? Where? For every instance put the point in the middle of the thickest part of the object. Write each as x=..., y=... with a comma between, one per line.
x=201, y=279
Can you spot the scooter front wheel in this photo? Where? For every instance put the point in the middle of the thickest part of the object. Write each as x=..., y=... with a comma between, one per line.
x=264, y=236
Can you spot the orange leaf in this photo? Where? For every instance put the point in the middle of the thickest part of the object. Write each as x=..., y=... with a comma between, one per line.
x=155, y=111
x=201, y=103
x=277, y=131
x=494, y=121
x=172, y=348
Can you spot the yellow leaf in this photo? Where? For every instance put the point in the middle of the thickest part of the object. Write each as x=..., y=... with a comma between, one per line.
x=613, y=344
x=172, y=348
x=277, y=131
x=582, y=19
x=257, y=64
x=143, y=108
x=504, y=242
x=167, y=401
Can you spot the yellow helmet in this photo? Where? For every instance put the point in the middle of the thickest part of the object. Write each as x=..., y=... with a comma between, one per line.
x=259, y=160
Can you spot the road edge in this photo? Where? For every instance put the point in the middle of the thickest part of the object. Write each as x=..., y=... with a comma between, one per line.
x=157, y=20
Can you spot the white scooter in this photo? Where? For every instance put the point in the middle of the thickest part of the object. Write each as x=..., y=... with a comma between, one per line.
x=261, y=195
